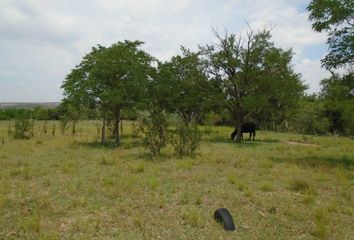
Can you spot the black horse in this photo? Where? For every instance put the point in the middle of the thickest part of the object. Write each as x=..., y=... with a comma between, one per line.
x=246, y=127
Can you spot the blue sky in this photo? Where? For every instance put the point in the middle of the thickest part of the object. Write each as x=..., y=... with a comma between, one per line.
x=42, y=40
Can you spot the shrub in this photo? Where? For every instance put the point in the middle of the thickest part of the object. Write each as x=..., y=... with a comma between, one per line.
x=154, y=128
x=187, y=139
x=22, y=129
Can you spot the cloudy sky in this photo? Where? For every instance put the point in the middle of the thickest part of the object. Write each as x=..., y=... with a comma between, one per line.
x=41, y=40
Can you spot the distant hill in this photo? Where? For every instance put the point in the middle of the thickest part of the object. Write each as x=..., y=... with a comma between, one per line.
x=28, y=105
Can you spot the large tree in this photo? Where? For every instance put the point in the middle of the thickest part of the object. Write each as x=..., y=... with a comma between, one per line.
x=111, y=78
x=251, y=74
x=281, y=90
x=336, y=17
x=183, y=86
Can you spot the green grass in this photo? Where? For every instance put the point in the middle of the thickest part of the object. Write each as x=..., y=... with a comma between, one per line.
x=71, y=187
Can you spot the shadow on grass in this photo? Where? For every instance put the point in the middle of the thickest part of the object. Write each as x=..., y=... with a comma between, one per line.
x=244, y=143
x=220, y=139
x=317, y=161
x=96, y=145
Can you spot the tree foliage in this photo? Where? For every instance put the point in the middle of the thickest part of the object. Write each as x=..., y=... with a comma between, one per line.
x=179, y=86
x=183, y=87
x=110, y=78
x=251, y=75
x=310, y=116
x=336, y=17
x=330, y=111
x=338, y=97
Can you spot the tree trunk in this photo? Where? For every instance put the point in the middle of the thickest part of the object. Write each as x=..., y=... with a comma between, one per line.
x=74, y=128
x=239, y=130
x=116, y=126
x=121, y=128
x=103, y=140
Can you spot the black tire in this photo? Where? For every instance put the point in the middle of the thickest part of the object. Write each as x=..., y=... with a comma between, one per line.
x=223, y=216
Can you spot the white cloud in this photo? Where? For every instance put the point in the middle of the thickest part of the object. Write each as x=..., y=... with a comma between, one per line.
x=312, y=72
x=40, y=41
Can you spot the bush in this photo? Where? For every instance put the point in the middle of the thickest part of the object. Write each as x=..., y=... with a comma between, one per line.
x=154, y=128
x=22, y=129
x=187, y=139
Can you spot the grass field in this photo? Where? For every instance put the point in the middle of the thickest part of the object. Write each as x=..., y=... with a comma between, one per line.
x=282, y=186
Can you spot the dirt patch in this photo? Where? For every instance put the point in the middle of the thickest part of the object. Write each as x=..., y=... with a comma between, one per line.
x=302, y=144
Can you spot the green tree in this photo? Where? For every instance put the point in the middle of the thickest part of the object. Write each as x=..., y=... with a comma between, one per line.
x=182, y=86
x=310, y=116
x=111, y=78
x=281, y=91
x=336, y=17
x=337, y=95
x=251, y=75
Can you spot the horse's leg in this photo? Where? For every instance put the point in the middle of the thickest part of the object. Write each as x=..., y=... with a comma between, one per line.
x=254, y=134
x=249, y=139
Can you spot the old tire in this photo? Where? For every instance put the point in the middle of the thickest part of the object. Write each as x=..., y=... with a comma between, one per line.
x=223, y=216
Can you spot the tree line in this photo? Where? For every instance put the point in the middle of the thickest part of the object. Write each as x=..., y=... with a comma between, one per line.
x=248, y=76
x=242, y=77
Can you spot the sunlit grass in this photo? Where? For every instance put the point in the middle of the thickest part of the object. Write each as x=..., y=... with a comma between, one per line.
x=71, y=187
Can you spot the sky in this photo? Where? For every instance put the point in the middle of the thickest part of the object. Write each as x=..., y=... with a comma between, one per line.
x=42, y=40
